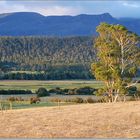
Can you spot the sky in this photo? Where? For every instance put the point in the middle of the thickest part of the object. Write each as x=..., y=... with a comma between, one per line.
x=117, y=8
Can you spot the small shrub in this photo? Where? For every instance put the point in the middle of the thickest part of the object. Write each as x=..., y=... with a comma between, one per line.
x=138, y=93
x=55, y=100
x=52, y=91
x=90, y=100
x=85, y=91
x=65, y=90
x=78, y=100
x=132, y=90
x=42, y=92
x=57, y=90
x=102, y=100
x=19, y=99
x=75, y=100
x=12, y=99
x=72, y=91
x=131, y=99
x=34, y=100
x=100, y=92
x=67, y=100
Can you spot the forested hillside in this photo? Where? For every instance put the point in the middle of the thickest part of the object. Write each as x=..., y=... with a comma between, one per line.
x=60, y=58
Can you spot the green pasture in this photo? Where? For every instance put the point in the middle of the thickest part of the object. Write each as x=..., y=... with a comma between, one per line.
x=26, y=104
x=34, y=85
x=27, y=72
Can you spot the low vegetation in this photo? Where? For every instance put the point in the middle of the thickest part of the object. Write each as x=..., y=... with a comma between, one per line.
x=34, y=100
x=41, y=92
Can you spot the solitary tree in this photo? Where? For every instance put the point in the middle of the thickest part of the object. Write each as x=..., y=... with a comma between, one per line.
x=118, y=55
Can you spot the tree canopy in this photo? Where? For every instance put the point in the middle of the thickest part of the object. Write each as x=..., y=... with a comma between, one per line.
x=118, y=56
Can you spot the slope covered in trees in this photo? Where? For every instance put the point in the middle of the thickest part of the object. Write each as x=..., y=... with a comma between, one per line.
x=60, y=58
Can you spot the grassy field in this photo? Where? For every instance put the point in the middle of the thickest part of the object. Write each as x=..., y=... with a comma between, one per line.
x=27, y=72
x=106, y=120
x=34, y=85
x=26, y=104
x=67, y=120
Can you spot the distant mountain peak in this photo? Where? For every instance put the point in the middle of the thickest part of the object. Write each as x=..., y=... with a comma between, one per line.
x=31, y=23
x=106, y=14
x=103, y=14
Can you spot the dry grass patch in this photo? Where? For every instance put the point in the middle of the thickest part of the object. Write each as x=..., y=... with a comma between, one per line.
x=106, y=120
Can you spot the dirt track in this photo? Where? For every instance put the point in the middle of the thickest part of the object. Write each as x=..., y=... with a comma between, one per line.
x=119, y=120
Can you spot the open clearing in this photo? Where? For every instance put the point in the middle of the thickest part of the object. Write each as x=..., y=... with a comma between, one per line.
x=101, y=120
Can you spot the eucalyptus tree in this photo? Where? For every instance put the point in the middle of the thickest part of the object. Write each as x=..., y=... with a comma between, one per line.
x=118, y=56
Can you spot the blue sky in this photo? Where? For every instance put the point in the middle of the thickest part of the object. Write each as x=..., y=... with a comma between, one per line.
x=116, y=8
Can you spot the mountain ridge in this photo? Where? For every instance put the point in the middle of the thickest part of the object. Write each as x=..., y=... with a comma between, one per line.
x=31, y=23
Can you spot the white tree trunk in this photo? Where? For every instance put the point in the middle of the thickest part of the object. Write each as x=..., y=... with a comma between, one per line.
x=116, y=97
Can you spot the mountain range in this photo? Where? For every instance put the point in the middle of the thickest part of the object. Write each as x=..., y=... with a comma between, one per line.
x=34, y=24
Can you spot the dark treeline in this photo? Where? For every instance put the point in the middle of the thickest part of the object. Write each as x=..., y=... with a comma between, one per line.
x=56, y=72
x=11, y=92
x=59, y=58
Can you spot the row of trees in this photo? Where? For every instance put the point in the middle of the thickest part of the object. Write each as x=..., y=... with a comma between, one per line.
x=118, y=53
x=56, y=72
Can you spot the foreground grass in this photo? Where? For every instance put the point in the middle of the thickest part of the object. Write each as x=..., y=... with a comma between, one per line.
x=106, y=120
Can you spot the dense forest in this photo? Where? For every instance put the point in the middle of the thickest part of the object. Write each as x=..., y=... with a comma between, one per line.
x=58, y=58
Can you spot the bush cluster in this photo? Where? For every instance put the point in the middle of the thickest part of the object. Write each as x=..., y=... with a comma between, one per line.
x=56, y=100
x=41, y=92
x=12, y=99
x=78, y=100
x=57, y=90
x=11, y=92
x=132, y=90
x=85, y=90
x=73, y=100
x=90, y=100
x=76, y=91
x=34, y=100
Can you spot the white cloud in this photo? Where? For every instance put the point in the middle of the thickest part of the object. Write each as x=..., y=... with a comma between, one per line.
x=67, y=7
x=133, y=5
x=57, y=10
x=6, y=8
x=46, y=9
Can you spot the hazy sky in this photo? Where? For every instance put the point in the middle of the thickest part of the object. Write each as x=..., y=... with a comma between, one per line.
x=116, y=8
